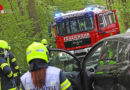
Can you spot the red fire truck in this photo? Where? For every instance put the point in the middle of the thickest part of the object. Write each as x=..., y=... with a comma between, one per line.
x=76, y=31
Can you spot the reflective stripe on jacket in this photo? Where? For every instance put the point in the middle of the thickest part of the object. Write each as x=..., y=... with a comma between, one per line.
x=65, y=85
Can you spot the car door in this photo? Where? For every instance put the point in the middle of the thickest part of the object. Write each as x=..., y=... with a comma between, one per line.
x=69, y=64
x=123, y=66
x=89, y=66
x=101, y=77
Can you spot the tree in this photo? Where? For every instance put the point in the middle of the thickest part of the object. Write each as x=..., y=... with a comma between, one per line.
x=20, y=7
x=125, y=13
x=15, y=16
x=33, y=15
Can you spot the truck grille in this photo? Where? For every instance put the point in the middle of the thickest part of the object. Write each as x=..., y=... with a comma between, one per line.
x=76, y=43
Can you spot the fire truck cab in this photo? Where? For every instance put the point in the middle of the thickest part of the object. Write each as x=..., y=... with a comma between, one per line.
x=77, y=31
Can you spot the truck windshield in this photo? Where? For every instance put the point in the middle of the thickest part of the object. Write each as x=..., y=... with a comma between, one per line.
x=75, y=25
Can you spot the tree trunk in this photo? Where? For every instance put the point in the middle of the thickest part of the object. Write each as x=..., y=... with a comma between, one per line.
x=20, y=7
x=112, y=1
x=123, y=1
x=125, y=14
x=53, y=3
x=33, y=15
x=12, y=9
x=109, y=6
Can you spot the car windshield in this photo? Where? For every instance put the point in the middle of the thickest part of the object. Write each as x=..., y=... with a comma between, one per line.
x=75, y=25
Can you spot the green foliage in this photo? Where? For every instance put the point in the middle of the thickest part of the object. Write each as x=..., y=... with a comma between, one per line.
x=123, y=12
x=17, y=31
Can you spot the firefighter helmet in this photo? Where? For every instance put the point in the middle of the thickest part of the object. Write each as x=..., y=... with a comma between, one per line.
x=44, y=41
x=36, y=51
x=3, y=46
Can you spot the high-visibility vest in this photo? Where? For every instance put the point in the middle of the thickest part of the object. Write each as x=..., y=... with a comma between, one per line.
x=52, y=80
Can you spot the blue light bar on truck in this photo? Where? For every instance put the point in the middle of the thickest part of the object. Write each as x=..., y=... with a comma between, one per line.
x=57, y=14
x=89, y=9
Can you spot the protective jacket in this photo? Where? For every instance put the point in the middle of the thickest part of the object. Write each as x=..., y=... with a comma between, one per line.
x=50, y=55
x=54, y=80
x=109, y=57
x=6, y=76
x=14, y=67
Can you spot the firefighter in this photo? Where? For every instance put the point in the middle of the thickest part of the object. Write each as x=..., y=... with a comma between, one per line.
x=108, y=60
x=6, y=82
x=44, y=41
x=11, y=60
x=50, y=54
x=15, y=68
x=41, y=76
x=108, y=56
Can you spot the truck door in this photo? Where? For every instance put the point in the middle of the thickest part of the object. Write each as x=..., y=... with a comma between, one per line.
x=111, y=23
x=101, y=26
x=108, y=24
x=114, y=19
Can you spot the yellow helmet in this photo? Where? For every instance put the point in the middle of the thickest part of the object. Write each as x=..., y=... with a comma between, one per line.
x=9, y=47
x=44, y=41
x=3, y=46
x=36, y=51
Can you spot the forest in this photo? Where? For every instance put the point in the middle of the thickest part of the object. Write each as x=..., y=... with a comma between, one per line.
x=26, y=21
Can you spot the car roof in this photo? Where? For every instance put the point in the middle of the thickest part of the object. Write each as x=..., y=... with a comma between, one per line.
x=121, y=37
